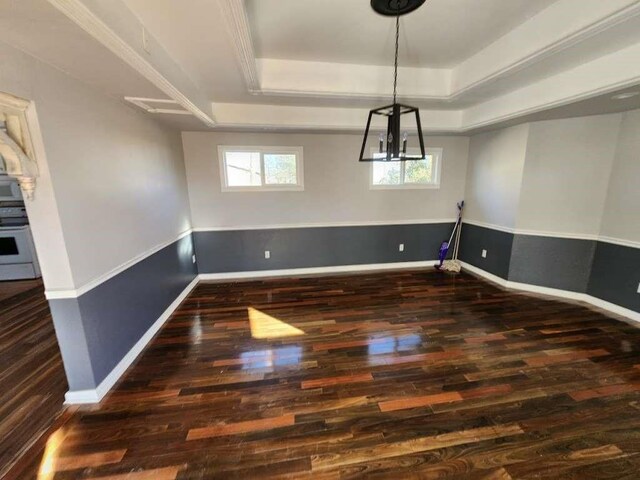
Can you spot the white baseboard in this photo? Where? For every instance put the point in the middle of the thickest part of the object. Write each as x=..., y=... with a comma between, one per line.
x=95, y=395
x=291, y=272
x=555, y=292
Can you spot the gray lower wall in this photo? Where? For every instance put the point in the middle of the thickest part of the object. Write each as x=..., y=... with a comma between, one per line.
x=96, y=330
x=498, y=245
x=604, y=270
x=243, y=250
x=562, y=263
x=615, y=275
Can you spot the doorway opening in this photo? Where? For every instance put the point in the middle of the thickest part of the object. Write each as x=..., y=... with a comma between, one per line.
x=32, y=378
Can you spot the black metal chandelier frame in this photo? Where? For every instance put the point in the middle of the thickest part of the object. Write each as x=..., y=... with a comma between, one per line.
x=396, y=144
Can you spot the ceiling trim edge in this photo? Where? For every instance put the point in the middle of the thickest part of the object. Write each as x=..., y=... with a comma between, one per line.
x=90, y=23
x=239, y=30
x=237, y=22
x=563, y=43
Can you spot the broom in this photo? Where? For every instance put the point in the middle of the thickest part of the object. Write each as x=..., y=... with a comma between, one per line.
x=452, y=265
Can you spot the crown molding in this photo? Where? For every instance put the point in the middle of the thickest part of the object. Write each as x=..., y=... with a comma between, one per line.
x=94, y=26
x=237, y=22
x=241, y=36
x=568, y=41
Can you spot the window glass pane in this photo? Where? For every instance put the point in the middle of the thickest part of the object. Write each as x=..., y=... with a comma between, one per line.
x=419, y=171
x=243, y=169
x=386, y=173
x=280, y=169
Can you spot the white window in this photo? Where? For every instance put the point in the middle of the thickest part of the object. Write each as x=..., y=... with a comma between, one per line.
x=248, y=169
x=409, y=173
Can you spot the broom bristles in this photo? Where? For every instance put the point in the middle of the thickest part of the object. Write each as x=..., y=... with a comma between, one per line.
x=451, y=266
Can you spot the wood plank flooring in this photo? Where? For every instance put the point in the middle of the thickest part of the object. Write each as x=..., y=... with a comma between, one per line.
x=401, y=375
x=32, y=381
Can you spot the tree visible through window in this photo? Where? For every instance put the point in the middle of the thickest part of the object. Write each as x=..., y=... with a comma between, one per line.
x=280, y=169
x=261, y=168
x=408, y=173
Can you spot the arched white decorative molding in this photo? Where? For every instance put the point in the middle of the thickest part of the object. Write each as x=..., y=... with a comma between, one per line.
x=16, y=144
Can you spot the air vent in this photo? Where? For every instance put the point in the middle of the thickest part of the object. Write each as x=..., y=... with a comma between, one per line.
x=158, y=105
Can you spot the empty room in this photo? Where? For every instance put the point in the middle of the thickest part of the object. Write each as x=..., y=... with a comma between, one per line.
x=323, y=239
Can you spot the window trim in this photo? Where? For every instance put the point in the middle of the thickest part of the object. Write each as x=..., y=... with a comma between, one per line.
x=436, y=152
x=262, y=150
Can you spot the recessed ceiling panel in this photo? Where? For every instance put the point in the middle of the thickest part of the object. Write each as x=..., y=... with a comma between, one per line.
x=441, y=33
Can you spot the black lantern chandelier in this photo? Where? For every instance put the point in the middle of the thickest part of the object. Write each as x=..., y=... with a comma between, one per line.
x=393, y=146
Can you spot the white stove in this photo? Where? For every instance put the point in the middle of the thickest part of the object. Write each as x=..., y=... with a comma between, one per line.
x=18, y=258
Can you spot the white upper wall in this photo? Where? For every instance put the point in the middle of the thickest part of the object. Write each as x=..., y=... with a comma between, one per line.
x=575, y=177
x=494, y=176
x=566, y=174
x=118, y=177
x=621, y=217
x=336, y=185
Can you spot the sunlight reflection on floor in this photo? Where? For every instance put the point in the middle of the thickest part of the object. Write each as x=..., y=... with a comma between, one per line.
x=266, y=326
x=48, y=464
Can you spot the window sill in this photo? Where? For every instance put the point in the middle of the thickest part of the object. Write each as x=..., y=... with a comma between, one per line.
x=293, y=188
x=404, y=187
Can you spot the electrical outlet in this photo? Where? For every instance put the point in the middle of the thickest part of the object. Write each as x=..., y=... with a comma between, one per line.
x=639, y=288
x=193, y=259
x=267, y=254
x=484, y=254
x=401, y=247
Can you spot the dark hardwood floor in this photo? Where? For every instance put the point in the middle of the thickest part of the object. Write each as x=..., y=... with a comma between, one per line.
x=32, y=381
x=385, y=375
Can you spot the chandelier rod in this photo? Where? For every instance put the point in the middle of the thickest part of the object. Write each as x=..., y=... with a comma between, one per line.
x=395, y=68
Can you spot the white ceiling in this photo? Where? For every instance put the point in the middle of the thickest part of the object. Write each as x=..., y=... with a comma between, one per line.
x=320, y=65
x=37, y=28
x=441, y=33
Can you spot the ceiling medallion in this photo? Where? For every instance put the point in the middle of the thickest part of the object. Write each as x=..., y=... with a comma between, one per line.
x=393, y=8
x=393, y=145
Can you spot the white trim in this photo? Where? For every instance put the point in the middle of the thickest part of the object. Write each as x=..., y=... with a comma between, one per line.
x=326, y=225
x=540, y=233
x=94, y=26
x=236, y=19
x=143, y=102
x=612, y=307
x=551, y=49
x=489, y=225
x=619, y=241
x=436, y=154
x=237, y=22
x=95, y=395
x=298, y=151
x=247, y=275
x=59, y=294
x=555, y=292
x=573, y=236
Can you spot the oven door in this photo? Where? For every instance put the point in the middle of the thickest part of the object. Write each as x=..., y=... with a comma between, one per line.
x=14, y=246
x=9, y=190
